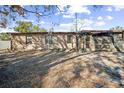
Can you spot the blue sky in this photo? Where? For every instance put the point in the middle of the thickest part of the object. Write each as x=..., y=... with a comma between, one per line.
x=89, y=18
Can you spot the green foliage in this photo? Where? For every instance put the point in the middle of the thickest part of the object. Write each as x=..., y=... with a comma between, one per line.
x=23, y=26
x=43, y=30
x=4, y=36
x=35, y=28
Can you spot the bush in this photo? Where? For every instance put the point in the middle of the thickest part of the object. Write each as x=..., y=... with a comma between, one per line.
x=4, y=36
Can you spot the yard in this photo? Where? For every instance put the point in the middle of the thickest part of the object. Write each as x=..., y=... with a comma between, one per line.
x=54, y=68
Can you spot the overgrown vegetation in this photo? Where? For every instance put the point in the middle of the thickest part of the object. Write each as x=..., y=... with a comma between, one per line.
x=4, y=36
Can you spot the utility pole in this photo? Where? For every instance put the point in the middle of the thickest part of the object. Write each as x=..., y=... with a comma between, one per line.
x=50, y=35
x=77, y=45
x=76, y=22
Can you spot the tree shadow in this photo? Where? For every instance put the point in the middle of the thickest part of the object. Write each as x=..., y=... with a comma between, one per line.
x=18, y=42
x=120, y=61
x=67, y=59
x=26, y=69
x=112, y=72
x=119, y=54
x=30, y=65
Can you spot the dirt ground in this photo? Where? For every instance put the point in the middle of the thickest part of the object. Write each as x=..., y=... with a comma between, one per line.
x=61, y=69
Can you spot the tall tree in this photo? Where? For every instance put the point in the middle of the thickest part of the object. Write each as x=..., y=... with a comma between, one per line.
x=36, y=28
x=117, y=28
x=43, y=30
x=23, y=26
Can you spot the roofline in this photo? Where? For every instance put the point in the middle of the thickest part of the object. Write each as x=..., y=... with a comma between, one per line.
x=43, y=33
x=86, y=31
x=100, y=31
x=96, y=30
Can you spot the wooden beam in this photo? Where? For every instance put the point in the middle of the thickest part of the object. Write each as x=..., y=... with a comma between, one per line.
x=123, y=35
x=11, y=42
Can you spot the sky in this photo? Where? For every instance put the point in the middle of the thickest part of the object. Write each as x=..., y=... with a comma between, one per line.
x=89, y=18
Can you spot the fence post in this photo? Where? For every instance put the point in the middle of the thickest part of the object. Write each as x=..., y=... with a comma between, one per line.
x=77, y=45
x=11, y=42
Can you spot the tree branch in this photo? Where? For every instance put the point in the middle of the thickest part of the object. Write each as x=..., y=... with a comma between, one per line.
x=39, y=13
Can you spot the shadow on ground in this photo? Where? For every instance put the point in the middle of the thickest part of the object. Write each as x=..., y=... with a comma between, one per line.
x=25, y=69
x=28, y=69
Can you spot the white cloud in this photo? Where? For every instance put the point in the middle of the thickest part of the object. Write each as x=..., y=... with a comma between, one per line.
x=100, y=23
x=118, y=7
x=66, y=24
x=109, y=9
x=61, y=8
x=109, y=17
x=68, y=16
x=42, y=22
x=65, y=27
x=57, y=13
x=99, y=18
x=79, y=9
x=6, y=30
x=82, y=24
x=26, y=20
x=76, y=9
x=61, y=30
x=87, y=22
x=87, y=28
